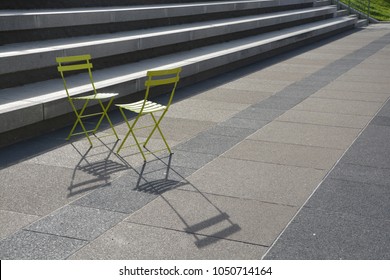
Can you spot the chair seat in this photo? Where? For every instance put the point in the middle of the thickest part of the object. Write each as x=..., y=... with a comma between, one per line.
x=150, y=107
x=97, y=96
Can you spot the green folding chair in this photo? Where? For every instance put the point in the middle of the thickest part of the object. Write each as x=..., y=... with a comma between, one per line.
x=81, y=63
x=155, y=78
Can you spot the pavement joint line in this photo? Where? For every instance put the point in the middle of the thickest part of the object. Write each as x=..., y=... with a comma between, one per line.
x=295, y=144
x=56, y=235
x=237, y=197
x=316, y=124
x=275, y=163
x=353, y=100
x=357, y=182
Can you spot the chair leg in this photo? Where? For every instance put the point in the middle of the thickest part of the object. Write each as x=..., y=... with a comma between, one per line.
x=156, y=126
x=131, y=127
x=78, y=115
x=105, y=115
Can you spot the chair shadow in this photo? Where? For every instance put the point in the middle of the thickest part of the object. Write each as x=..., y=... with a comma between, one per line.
x=164, y=184
x=101, y=170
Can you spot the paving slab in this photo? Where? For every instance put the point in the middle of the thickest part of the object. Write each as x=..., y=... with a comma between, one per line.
x=350, y=107
x=39, y=189
x=327, y=119
x=77, y=222
x=216, y=216
x=307, y=135
x=351, y=95
x=361, y=86
x=27, y=245
x=281, y=184
x=208, y=143
x=354, y=198
x=320, y=235
x=259, y=113
x=14, y=221
x=286, y=154
x=361, y=173
x=238, y=132
x=279, y=103
x=252, y=123
x=128, y=241
x=371, y=148
x=252, y=85
x=381, y=120
x=117, y=198
x=233, y=95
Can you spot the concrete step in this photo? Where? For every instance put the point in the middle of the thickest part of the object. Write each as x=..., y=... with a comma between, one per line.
x=342, y=13
x=45, y=4
x=25, y=25
x=321, y=3
x=42, y=106
x=361, y=23
x=37, y=58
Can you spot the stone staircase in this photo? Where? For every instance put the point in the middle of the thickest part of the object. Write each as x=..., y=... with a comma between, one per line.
x=205, y=38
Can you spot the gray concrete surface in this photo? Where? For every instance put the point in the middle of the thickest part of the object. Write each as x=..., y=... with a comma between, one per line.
x=284, y=159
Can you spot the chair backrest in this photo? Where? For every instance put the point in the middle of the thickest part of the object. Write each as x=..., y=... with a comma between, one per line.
x=75, y=63
x=161, y=78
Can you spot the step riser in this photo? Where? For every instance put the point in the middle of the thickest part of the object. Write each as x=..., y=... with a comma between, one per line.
x=106, y=55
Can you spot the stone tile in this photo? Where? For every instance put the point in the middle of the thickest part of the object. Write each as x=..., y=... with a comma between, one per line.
x=233, y=95
x=307, y=135
x=360, y=87
x=27, y=245
x=209, y=144
x=371, y=148
x=190, y=159
x=361, y=173
x=297, y=91
x=329, y=119
x=287, y=154
x=22, y=151
x=238, y=132
x=77, y=222
x=203, y=110
x=256, y=180
x=350, y=107
x=270, y=75
x=252, y=123
x=354, y=198
x=176, y=129
x=381, y=120
x=38, y=189
x=14, y=221
x=315, y=234
x=253, y=85
x=279, y=103
x=216, y=216
x=99, y=160
x=385, y=111
x=139, y=242
x=350, y=95
x=258, y=113
x=116, y=198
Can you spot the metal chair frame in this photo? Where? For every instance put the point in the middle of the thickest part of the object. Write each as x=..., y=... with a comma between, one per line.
x=79, y=63
x=145, y=107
